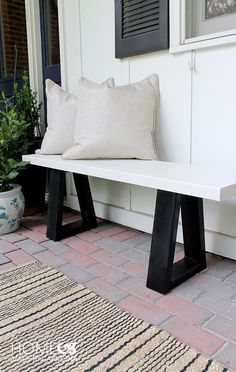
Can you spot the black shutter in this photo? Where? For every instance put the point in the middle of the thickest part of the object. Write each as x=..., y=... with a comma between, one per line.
x=141, y=26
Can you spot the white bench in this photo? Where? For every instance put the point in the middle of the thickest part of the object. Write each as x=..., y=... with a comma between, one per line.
x=180, y=187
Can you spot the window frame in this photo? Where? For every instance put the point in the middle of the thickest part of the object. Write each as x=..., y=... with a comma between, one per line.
x=178, y=42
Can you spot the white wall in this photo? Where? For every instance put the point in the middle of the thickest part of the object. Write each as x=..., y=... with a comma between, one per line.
x=195, y=120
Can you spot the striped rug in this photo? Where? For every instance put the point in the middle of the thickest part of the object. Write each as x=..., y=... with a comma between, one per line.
x=50, y=323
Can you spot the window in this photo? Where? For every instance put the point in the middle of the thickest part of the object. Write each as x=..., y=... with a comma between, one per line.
x=141, y=26
x=52, y=32
x=13, y=44
x=1, y=45
x=202, y=23
x=50, y=40
x=13, y=38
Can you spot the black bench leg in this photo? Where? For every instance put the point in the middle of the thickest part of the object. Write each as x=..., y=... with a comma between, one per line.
x=193, y=229
x=55, y=230
x=85, y=200
x=163, y=273
x=55, y=203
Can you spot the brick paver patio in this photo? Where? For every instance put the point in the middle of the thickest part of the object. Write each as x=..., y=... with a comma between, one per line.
x=112, y=261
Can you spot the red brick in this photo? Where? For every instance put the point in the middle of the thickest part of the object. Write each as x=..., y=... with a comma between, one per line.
x=106, y=289
x=69, y=239
x=35, y=235
x=71, y=218
x=20, y=257
x=92, y=236
x=82, y=246
x=198, y=338
x=7, y=266
x=33, y=222
x=184, y=309
x=21, y=230
x=41, y=228
x=6, y=246
x=88, y=236
x=143, y=310
x=212, y=259
x=138, y=288
x=204, y=281
x=12, y=237
x=108, y=258
x=79, y=259
x=134, y=268
x=110, y=232
x=149, y=295
x=129, y=234
x=107, y=273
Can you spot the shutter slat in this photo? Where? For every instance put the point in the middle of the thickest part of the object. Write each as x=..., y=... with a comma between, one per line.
x=137, y=32
x=140, y=12
x=136, y=5
x=131, y=2
x=142, y=26
x=139, y=16
x=128, y=24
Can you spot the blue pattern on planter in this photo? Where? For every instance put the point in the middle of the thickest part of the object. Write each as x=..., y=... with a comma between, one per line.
x=12, y=203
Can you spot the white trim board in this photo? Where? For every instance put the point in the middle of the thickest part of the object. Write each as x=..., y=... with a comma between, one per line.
x=34, y=50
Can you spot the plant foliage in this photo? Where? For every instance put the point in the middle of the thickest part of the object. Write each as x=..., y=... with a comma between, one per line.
x=26, y=105
x=13, y=142
x=19, y=125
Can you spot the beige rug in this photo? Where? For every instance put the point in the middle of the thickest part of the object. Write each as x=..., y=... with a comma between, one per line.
x=50, y=323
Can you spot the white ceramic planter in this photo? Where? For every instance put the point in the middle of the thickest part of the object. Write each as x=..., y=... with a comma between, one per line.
x=12, y=204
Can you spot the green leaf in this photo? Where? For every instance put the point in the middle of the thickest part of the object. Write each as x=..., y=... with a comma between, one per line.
x=12, y=175
x=19, y=117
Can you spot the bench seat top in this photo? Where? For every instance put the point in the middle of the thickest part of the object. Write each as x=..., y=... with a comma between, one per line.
x=204, y=182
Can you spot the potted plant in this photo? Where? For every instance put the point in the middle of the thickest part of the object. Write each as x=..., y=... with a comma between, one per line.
x=32, y=179
x=26, y=105
x=12, y=145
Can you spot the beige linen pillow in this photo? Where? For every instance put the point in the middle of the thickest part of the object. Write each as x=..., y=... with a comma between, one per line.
x=61, y=116
x=116, y=122
x=61, y=119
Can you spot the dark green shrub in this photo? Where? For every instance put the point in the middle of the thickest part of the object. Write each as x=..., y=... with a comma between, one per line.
x=13, y=142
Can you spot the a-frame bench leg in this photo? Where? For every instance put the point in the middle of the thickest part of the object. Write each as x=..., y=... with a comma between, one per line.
x=163, y=273
x=55, y=204
x=193, y=229
x=55, y=230
x=85, y=200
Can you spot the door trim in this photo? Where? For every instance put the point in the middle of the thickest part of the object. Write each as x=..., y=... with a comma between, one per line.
x=34, y=49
